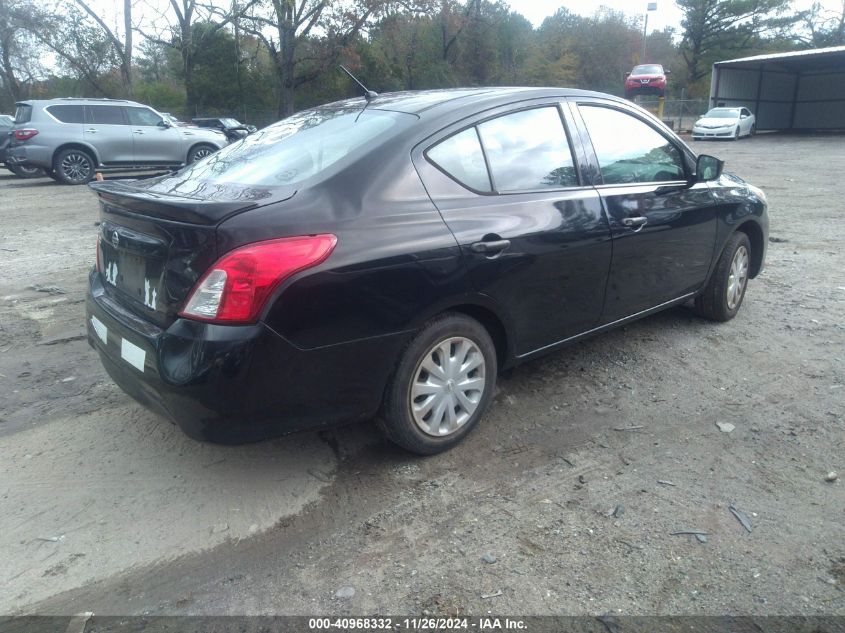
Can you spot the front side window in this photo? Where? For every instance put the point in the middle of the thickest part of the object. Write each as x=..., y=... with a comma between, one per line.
x=68, y=113
x=460, y=156
x=142, y=116
x=105, y=115
x=528, y=150
x=629, y=150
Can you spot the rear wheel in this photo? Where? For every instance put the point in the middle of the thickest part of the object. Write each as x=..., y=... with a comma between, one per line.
x=73, y=167
x=199, y=152
x=26, y=171
x=752, y=130
x=723, y=294
x=442, y=386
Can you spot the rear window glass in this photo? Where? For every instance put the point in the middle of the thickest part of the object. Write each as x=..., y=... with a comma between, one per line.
x=298, y=147
x=68, y=113
x=528, y=150
x=23, y=113
x=460, y=156
x=106, y=115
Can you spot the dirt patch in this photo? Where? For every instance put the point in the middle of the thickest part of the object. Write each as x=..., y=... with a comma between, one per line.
x=578, y=515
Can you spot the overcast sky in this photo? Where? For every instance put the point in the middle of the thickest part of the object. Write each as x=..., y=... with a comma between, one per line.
x=667, y=13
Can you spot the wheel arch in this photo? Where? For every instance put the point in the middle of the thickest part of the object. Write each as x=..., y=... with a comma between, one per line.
x=494, y=325
x=88, y=149
x=758, y=245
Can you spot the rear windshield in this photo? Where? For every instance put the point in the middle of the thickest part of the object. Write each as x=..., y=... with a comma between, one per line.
x=722, y=113
x=230, y=122
x=23, y=113
x=298, y=147
x=648, y=69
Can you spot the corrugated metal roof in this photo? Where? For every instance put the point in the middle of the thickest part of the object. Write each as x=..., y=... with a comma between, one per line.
x=784, y=56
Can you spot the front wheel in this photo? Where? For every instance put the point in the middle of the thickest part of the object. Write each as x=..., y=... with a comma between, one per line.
x=73, y=167
x=736, y=133
x=26, y=171
x=199, y=152
x=442, y=386
x=722, y=296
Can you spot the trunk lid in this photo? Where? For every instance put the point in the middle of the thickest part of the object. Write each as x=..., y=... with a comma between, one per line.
x=154, y=246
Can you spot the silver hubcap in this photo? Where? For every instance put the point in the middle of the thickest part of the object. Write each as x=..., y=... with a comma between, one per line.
x=201, y=153
x=76, y=166
x=737, y=278
x=447, y=387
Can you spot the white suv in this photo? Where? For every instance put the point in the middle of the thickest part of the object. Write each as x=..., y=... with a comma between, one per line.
x=74, y=138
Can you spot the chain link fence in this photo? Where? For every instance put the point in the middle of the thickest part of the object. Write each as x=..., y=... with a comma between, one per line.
x=679, y=114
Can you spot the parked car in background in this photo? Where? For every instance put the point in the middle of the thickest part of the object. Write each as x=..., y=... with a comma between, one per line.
x=6, y=124
x=725, y=123
x=232, y=128
x=74, y=138
x=389, y=257
x=646, y=79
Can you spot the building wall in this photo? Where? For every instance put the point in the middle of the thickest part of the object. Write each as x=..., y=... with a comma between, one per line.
x=783, y=100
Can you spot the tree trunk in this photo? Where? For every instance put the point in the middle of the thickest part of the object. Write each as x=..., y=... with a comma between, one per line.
x=126, y=66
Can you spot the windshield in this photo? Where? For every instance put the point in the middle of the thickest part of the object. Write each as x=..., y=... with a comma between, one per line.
x=722, y=113
x=230, y=122
x=648, y=69
x=296, y=148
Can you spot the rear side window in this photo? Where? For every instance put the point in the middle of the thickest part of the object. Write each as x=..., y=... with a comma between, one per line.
x=460, y=156
x=23, y=113
x=142, y=116
x=629, y=150
x=528, y=150
x=68, y=113
x=105, y=115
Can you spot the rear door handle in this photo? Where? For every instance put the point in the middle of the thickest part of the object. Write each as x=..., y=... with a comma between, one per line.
x=91, y=130
x=635, y=222
x=489, y=248
x=138, y=131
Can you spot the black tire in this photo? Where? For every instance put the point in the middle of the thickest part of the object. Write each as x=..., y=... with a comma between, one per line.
x=736, y=134
x=396, y=418
x=74, y=167
x=198, y=152
x=752, y=130
x=26, y=171
x=713, y=302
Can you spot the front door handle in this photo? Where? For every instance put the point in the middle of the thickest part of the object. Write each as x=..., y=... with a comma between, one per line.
x=138, y=131
x=490, y=248
x=91, y=130
x=636, y=222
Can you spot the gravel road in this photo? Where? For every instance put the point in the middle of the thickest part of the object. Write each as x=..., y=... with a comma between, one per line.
x=563, y=501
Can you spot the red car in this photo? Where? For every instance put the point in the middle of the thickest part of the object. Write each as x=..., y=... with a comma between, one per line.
x=646, y=79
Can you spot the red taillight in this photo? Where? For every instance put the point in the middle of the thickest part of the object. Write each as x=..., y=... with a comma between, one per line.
x=235, y=289
x=25, y=134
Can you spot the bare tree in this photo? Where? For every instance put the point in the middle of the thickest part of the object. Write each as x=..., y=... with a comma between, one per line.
x=19, y=51
x=122, y=47
x=818, y=26
x=181, y=33
x=328, y=27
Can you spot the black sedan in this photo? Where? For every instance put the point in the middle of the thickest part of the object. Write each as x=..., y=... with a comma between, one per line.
x=387, y=258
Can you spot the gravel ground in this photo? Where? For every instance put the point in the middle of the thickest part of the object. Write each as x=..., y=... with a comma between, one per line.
x=563, y=501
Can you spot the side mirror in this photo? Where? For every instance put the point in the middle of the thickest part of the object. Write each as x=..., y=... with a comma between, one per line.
x=708, y=168
x=666, y=71
x=627, y=74
x=164, y=123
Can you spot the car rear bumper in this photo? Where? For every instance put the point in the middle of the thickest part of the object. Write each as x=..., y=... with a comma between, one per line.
x=235, y=384
x=37, y=155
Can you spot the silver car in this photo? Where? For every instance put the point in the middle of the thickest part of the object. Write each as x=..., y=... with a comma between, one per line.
x=75, y=138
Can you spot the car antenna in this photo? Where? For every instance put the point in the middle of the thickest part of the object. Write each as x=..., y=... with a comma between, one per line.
x=369, y=95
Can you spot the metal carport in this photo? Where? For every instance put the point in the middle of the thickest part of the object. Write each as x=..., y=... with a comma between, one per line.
x=802, y=90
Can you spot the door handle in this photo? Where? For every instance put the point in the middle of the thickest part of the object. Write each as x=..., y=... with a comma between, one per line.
x=138, y=131
x=91, y=130
x=490, y=248
x=635, y=222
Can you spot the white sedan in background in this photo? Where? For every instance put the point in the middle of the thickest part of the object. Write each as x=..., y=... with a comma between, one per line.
x=725, y=123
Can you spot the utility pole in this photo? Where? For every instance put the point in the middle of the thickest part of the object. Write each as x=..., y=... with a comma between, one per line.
x=652, y=6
